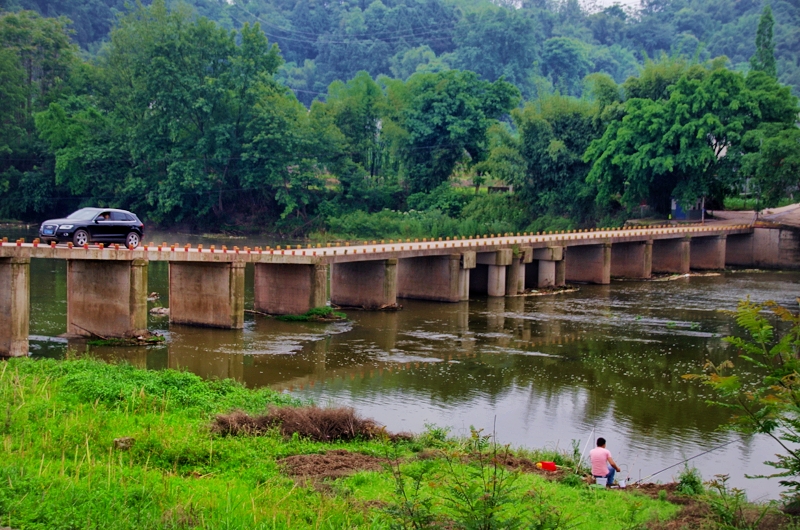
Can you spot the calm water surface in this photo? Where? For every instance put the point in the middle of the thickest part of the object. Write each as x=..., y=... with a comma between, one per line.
x=542, y=371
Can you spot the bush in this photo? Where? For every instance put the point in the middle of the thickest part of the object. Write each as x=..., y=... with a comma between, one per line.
x=690, y=482
x=315, y=423
x=444, y=198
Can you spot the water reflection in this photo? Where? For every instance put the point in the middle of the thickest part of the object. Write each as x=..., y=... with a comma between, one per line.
x=541, y=370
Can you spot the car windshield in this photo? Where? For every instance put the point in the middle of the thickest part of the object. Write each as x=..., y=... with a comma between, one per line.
x=84, y=214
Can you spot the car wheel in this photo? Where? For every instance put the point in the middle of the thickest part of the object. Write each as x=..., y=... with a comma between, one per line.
x=80, y=238
x=132, y=240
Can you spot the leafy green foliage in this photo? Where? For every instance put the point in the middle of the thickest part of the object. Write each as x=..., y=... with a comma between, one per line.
x=481, y=492
x=769, y=404
x=444, y=118
x=729, y=506
x=554, y=134
x=690, y=482
x=682, y=146
x=764, y=58
x=173, y=113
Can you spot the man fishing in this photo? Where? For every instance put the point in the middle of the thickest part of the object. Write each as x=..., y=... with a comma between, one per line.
x=603, y=466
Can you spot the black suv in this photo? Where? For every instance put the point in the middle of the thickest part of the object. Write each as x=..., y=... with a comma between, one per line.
x=94, y=225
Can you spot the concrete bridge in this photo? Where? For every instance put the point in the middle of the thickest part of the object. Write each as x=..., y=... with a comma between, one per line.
x=107, y=287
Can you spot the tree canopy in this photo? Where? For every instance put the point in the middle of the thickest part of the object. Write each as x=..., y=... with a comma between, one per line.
x=200, y=120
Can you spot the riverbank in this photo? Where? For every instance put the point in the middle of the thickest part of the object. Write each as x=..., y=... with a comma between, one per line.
x=101, y=445
x=113, y=446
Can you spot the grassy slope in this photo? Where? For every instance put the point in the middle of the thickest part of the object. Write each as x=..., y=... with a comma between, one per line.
x=58, y=422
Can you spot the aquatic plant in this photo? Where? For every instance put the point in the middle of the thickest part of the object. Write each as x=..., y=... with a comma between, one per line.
x=315, y=314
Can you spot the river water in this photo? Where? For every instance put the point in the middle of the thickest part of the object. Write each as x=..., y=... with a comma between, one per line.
x=538, y=371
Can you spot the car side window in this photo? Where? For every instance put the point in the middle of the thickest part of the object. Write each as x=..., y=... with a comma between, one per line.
x=118, y=216
x=105, y=216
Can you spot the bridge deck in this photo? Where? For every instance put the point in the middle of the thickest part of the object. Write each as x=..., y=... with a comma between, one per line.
x=368, y=252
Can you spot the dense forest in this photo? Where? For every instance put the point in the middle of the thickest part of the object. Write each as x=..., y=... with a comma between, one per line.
x=357, y=119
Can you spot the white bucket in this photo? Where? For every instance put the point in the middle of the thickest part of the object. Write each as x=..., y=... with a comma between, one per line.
x=622, y=483
x=601, y=481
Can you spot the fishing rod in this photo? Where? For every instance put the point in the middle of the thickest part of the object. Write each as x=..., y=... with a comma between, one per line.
x=684, y=461
x=578, y=465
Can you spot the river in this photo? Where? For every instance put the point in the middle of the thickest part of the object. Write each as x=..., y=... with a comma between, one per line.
x=538, y=371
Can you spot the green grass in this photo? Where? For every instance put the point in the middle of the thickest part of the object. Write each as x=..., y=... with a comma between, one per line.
x=60, y=467
x=741, y=203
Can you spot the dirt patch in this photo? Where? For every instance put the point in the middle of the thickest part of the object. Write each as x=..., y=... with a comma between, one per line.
x=319, y=424
x=333, y=464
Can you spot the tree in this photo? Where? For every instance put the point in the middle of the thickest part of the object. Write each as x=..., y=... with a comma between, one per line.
x=355, y=109
x=421, y=59
x=677, y=147
x=768, y=403
x=553, y=135
x=497, y=42
x=565, y=61
x=37, y=61
x=608, y=26
x=442, y=118
x=769, y=154
x=774, y=168
x=764, y=58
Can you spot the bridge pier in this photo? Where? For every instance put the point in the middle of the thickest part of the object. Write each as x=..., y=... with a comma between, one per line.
x=516, y=271
x=106, y=298
x=771, y=248
x=550, y=261
x=207, y=293
x=469, y=261
x=15, y=307
x=366, y=284
x=632, y=260
x=440, y=278
x=490, y=278
x=589, y=264
x=290, y=289
x=707, y=253
x=671, y=256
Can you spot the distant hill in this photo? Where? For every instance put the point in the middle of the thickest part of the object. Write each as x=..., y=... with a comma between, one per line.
x=540, y=44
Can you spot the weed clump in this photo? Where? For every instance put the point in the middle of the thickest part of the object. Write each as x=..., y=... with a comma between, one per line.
x=315, y=423
x=317, y=314
x=690, y=482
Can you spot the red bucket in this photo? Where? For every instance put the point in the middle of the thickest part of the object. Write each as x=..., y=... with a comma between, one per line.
x=547, y=466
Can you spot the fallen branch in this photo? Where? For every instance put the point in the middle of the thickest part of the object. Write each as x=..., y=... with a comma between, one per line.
x=254, y=312
x=92, y=333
